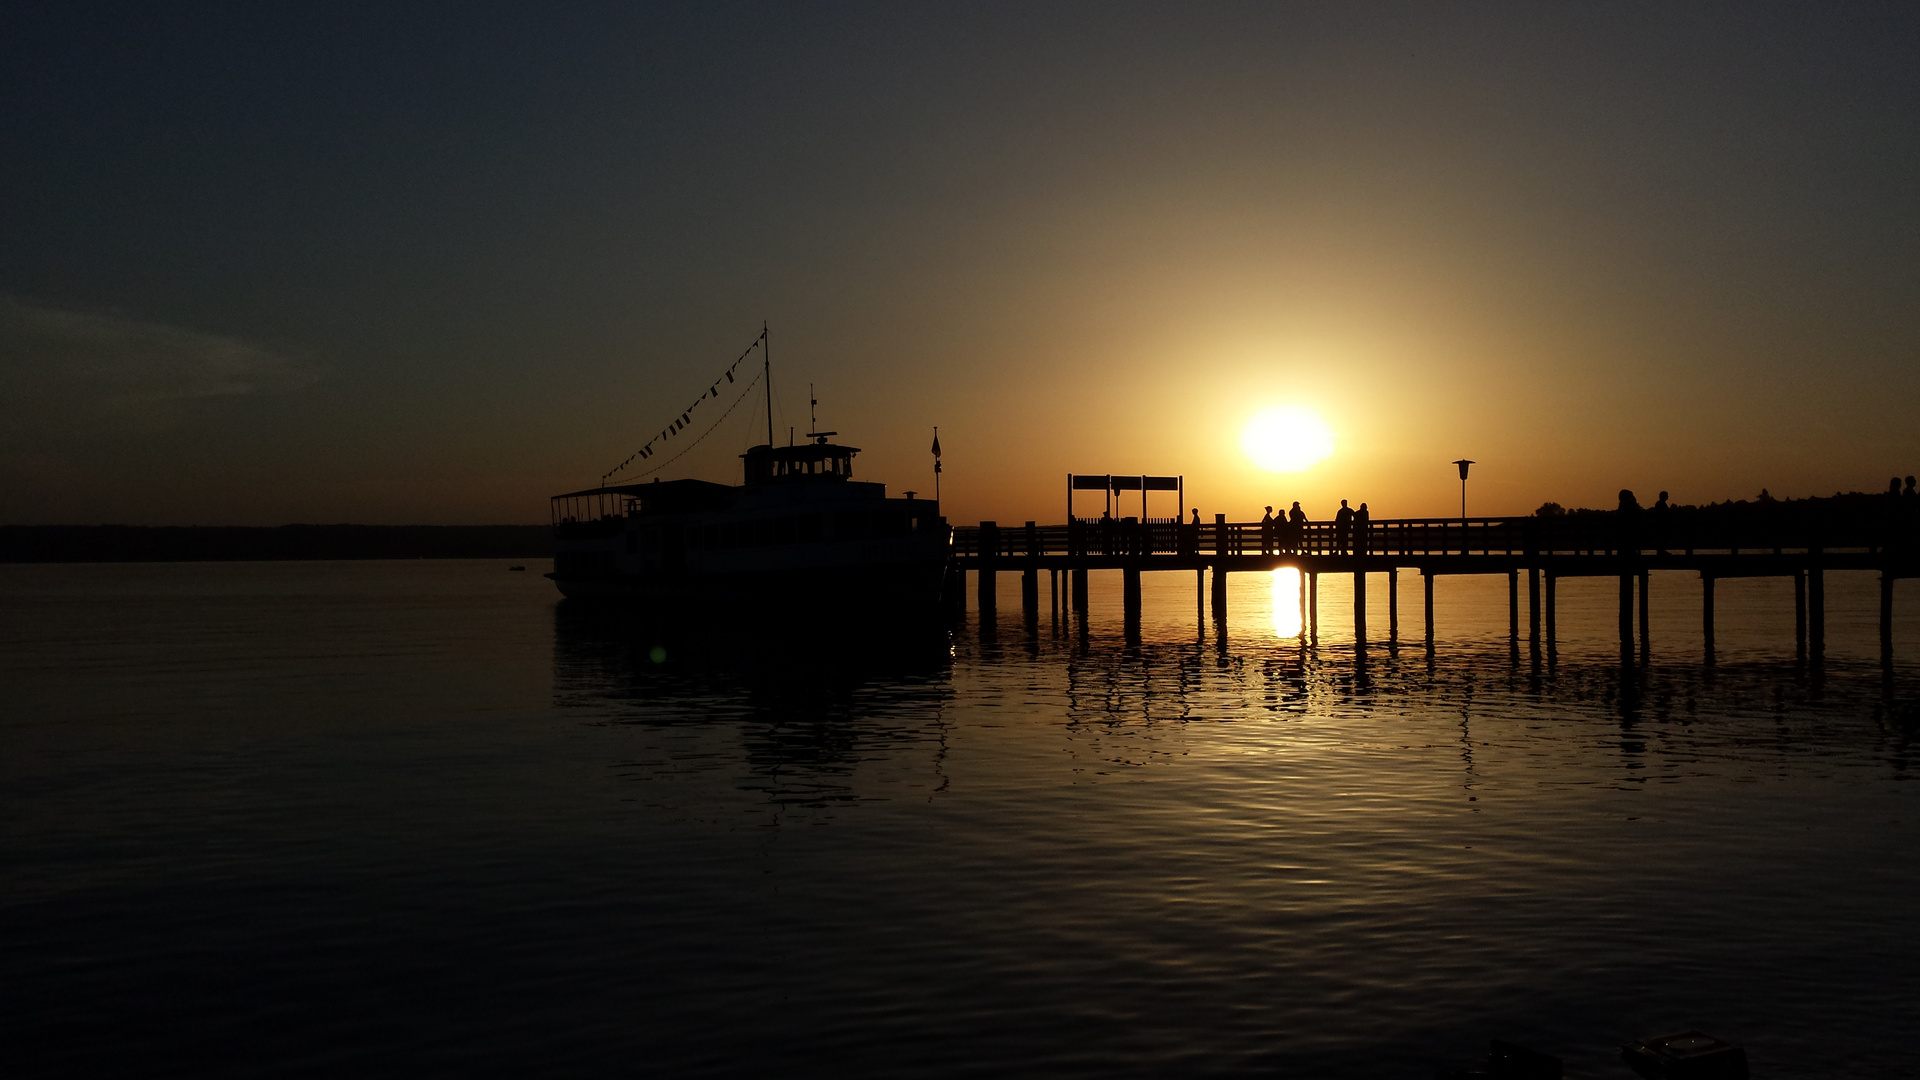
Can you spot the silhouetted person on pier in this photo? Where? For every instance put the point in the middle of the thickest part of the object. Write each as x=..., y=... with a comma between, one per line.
x=1266, y=532
x=1911, y=493
x=1343, y=529
x=1659, y=523
x=1296, y=529
x=1362, y=520
x=1627, y=523
x=1106, y=532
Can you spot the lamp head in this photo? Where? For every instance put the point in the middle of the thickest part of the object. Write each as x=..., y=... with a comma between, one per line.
x=1463, y=463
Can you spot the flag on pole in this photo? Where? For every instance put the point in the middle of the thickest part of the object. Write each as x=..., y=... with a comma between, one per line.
x=936, y=442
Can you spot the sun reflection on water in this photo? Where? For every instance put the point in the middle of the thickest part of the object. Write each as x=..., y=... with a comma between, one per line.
x=1286, y=602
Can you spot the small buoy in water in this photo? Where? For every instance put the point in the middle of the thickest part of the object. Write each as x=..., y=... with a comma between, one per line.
x=516, y=568
x=1685, y=1055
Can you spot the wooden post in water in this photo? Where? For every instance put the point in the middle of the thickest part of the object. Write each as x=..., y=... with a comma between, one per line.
x=1800, y=614
x=1706, y=612
x=1426, y=585
x=1513, y=610
x=1816, y=605
x=1393, y=606
x=1533, y=607
x=1030, y=575
x=1646, y=636
x=989, y=566
x=1130, y=591
x=1219, y=592
x=1360, y=609
x=1886, y=616
x=1626, y=614
x=1553, y=606
x=1313, y=608
x=1080, y=591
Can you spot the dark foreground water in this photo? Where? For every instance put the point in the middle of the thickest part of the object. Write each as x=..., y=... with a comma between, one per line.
x=418, y=819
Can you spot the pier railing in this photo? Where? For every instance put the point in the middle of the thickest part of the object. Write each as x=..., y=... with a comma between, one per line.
x=1592, y=535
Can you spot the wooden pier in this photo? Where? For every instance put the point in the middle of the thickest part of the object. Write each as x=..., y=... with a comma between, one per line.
x=1543, y=550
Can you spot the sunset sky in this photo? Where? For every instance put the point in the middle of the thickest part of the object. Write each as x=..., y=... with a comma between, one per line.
x=434, y=262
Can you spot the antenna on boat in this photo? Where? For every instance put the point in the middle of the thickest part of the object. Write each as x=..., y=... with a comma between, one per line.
x=813, y=407
x=766, y=369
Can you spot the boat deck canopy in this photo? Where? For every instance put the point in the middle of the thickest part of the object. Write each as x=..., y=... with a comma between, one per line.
x=661, y=496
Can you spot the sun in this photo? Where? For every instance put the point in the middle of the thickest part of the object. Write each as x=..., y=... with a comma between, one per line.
x=1287, y=438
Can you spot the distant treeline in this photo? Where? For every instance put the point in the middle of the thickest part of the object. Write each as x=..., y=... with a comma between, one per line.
x=1842, y=506
x=195, y=543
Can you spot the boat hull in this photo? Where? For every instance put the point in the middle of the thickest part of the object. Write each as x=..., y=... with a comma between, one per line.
x=897, y=590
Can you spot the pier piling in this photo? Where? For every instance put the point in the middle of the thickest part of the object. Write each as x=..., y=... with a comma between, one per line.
x=1626, y=615
x=1886, y=616
x=1706, y=613
x=1360, y=609
x=1030, y=574
x=1816, y=606
x=1646, y=636
x=1393, y=607
x=1313, y=608
x=1800, y=614
x=1513, y=611
x=1552, y=605
x=1533, y=607
x=989, y=566
x=1426, y=587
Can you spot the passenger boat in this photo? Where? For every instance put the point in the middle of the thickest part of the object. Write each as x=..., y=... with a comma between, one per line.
x=800, y=532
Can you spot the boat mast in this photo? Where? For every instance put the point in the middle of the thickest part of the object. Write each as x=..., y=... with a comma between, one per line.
x=766, y=369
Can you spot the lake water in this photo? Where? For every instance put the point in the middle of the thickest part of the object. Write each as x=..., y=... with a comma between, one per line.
x=417, y=818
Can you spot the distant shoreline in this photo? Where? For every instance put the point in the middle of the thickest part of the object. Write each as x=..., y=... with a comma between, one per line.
x=198, y=543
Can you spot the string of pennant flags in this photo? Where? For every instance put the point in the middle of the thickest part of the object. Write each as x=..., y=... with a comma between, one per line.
x=685, y=420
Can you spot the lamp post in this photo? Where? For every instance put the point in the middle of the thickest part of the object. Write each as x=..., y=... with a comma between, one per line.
x=1463, y=463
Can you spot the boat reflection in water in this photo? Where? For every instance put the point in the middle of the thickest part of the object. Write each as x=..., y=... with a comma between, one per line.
x=795, y=712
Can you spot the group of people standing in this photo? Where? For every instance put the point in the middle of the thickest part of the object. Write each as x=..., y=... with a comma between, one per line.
x=1288, y=532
